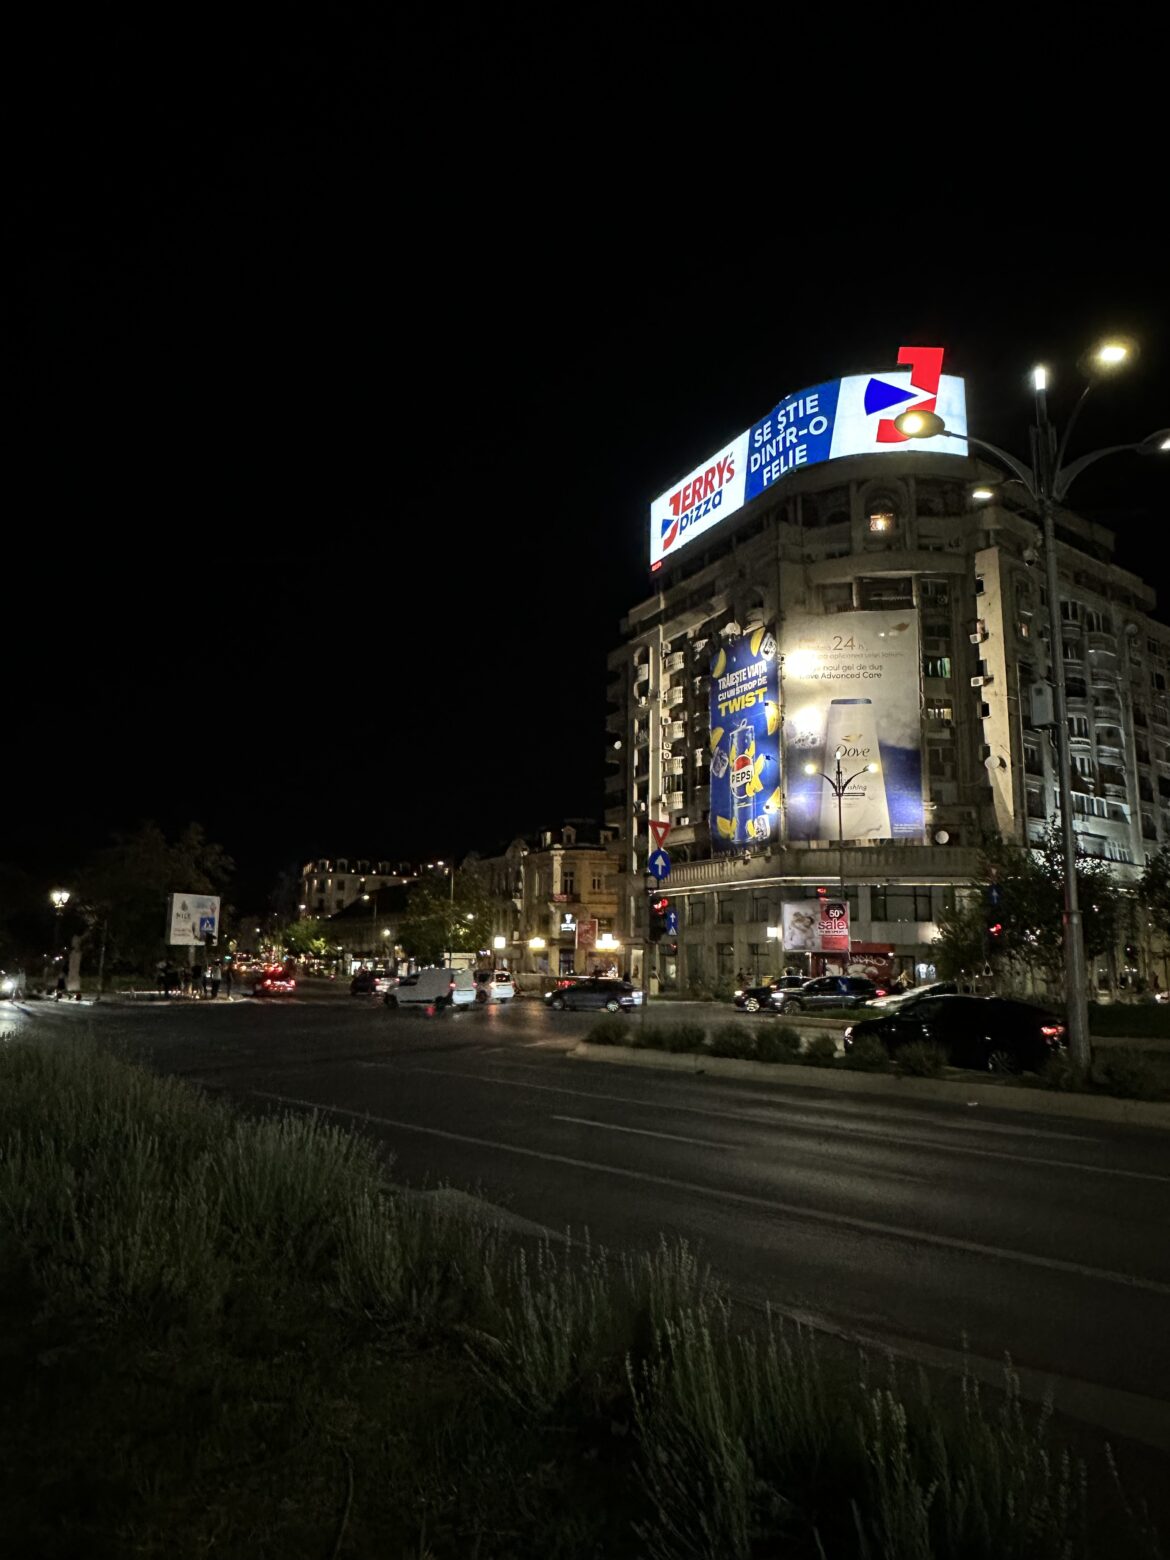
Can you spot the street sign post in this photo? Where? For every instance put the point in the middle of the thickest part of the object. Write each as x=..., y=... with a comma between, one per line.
x=659, y=865
x=659, y=829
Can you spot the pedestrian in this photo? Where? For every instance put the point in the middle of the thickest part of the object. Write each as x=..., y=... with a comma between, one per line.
x=214, y=974
x=197, y=980
x=161, y=976
x=60, y=985
x=227, y=981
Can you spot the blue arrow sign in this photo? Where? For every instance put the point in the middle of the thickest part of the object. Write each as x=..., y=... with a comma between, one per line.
x=672, y=923
x=659, y=865
x=879, y=396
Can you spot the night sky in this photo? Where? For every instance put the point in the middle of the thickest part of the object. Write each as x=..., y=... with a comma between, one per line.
x=339, y=419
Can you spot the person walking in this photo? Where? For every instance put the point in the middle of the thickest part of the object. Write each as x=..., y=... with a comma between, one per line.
x=227, y=981
x=197, y=980
x=214, y=977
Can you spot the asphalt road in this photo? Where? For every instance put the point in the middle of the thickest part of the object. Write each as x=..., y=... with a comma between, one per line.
x=929, y=1228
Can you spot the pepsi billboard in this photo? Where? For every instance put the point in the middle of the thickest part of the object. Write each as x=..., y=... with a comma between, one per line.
x=851, y=416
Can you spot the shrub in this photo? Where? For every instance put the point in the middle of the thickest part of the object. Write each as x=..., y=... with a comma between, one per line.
x=1062, y=1073
x=1128, y=1074
x=684, y=1037
x=778, y=1044
x=733, y=1040
x=821, y=1051
x=610, y=1030
x=920, y=1059
x=647, y=1037
x=867, y=1055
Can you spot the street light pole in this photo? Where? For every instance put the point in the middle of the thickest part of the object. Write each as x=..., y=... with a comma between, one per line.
x=1046, y=482
x=838, y=788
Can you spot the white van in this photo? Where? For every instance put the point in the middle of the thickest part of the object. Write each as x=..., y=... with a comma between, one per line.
x=436, y=987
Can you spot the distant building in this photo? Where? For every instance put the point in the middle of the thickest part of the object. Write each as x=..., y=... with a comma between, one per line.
x=366, y=931
x=329, y=885
x=557, y=901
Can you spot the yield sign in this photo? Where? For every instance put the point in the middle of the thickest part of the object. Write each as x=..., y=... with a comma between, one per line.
x=659, y=830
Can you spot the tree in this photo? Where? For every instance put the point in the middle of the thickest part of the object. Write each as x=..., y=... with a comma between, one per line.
x=123, y=888
x=304, y=939
x=445, y=915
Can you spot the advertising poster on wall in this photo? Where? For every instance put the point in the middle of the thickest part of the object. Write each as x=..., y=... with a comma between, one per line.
x=815, y=926
x=745, y=742
x=851, y=682
x=192, y=919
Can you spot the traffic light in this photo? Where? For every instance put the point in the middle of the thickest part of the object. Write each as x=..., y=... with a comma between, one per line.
x=658, y=909
x=995, y=916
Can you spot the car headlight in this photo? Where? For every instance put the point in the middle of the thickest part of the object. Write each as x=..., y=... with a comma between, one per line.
x=738, y=993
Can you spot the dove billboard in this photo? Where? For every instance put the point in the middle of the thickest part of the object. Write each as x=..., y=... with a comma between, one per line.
x=851, y=720
x=745, y=742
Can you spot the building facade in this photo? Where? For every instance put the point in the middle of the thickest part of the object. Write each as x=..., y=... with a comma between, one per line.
x=557, y=900
x=330, y=885
x=866, y=548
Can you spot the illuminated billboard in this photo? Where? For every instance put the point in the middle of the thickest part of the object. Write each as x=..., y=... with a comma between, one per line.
x=815, y=926
x=745, y=742
x=851, y=699
x=851, y=416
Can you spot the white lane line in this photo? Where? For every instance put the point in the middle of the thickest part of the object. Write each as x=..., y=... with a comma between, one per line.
x=890, y=1139
x=670, y=1137
x=745, y=1199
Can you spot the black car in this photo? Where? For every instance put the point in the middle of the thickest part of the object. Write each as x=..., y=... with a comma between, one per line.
x=757, y=999
x=827, y=991
x=993, y=1034
x=594, y=992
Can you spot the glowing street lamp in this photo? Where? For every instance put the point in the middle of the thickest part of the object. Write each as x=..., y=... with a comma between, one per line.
x=1047, y=481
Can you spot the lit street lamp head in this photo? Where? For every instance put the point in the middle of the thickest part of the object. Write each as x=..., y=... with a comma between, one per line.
x=1115, y=352
x=809, y=769
x=920, y=425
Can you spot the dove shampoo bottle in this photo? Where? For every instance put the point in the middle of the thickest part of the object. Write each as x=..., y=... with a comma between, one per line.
x=851, y=731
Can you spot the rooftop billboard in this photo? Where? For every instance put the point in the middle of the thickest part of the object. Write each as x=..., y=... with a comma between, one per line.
x=851, y=416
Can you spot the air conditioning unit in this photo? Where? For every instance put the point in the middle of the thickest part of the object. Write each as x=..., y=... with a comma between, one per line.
x=642, y=701
x=980, y=633
x=980, y=682
x=683, y=820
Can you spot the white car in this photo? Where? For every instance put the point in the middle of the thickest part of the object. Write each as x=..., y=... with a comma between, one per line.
x=494, y=986
x=436, y=988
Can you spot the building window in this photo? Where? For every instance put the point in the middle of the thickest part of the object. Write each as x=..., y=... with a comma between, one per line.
x=725, y=909
x=1083, y=765
x=760, y=955
x=884, y=591
x=940, y=763
x=936, y=665
x=1078, y=726
x=1033, y=763
x=1070, y=611
x=882, y=520
x=725, y=960
x=1024, y=628
x=1036, y=804
x=761, y=905
x=340, y=885
x=598, y=883
x=900, y=904
x=697, y=910
x=837, y=598
x=936, y=592
x=568, y=881
x=939, y=711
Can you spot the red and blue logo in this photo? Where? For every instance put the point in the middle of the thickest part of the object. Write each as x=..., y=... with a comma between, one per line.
x=698, y=497
x=925, y=365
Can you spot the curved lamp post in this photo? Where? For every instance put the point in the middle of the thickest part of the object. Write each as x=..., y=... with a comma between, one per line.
x=1046, y=482
x=839, y=786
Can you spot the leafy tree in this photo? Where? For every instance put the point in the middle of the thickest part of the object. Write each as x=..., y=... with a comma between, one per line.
x=123, y=888
x=304, y=939
x=445, y=915
x=959, y=946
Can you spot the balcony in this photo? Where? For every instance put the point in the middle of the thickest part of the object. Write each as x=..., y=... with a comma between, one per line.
x=675, y=661
x=675, y=801
x=676, y=766
x=673, y=696
x=616, y=722
x=1107, y=750
x=865, y=864
x=615, y=785
x=1103, y=642
x=674, y=730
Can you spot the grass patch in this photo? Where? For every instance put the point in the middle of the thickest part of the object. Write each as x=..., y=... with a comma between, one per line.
x=610, y=1030
x=733, y=1039
x=237, y=1337
x=1136, y=1020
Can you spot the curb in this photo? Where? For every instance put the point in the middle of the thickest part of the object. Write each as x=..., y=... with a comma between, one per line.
x=1036, y=1102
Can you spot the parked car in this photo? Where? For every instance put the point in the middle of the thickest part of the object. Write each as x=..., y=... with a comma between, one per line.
x=365, y=982
x=594, y=991
x=938, y=988
x=757, y=999
x=440, y=987
x=827, y=991
x=274, y=981
x=993, y=1034
x=494, y=986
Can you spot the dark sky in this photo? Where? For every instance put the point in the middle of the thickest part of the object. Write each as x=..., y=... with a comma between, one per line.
x=346, y=374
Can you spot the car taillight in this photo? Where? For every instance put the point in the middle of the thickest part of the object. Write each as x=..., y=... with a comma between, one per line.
x=881, y=991
x=1052, y=1031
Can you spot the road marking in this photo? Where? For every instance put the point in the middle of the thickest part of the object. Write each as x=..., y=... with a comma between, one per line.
x=846, y=1131
x=670, y=1137
x=745, y=1199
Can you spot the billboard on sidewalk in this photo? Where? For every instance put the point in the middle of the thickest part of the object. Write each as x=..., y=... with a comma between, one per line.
x=851, y=709
x=192, y=919
x=745, y=742
x=815, y=926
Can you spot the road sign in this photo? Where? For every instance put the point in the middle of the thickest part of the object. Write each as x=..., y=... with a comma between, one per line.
x=659, y=865
x=207, y=926
x=672, y=923
x=659, y=830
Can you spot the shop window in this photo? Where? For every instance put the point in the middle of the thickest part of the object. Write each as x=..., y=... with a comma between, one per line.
x=725, y=909
x=697, y=910
x=911, y=903
x=725, y=960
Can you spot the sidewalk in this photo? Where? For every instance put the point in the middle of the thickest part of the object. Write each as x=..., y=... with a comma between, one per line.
x=967, y=1090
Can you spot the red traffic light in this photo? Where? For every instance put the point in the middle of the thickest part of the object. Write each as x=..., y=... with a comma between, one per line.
x=995, y=929
x=660, y=906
